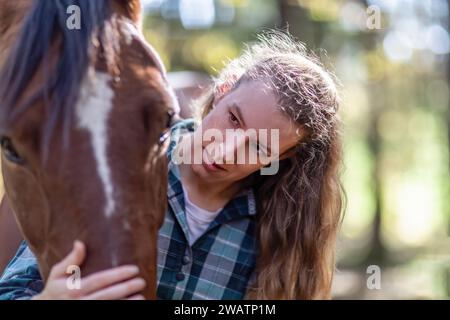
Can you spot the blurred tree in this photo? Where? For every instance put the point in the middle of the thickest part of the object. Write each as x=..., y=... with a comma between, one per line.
x=297, y=19
x=448, y=82
x=377, y=251
x=283, y=8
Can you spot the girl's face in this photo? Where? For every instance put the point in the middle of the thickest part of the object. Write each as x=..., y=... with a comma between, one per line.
x=251, y=107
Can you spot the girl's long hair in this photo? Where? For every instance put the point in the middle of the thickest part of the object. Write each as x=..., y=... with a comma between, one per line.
x=299, y=208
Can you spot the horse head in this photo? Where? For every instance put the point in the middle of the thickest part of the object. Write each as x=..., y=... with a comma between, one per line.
x=84, y=114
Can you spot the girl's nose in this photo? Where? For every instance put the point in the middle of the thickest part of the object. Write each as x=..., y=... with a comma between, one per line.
x=233, y=150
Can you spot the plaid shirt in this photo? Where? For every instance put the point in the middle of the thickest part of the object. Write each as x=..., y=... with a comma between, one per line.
x=219, y=265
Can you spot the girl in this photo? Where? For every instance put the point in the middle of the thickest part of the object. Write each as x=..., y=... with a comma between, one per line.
x=230, y=232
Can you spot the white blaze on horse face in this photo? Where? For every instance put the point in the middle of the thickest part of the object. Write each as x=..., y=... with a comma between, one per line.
x=93, y=109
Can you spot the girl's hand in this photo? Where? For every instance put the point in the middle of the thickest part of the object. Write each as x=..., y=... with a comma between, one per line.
x=112, y=284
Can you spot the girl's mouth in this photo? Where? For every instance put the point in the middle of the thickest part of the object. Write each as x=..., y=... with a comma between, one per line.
x=210, y=166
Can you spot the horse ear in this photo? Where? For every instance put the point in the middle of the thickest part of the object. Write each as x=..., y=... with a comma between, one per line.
x=132, y=9
x=11, y=13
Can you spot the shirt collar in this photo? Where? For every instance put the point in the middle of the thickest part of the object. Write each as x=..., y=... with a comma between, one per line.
x=242, y=205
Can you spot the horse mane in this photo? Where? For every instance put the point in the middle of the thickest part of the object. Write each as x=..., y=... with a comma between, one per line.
x=46, y=22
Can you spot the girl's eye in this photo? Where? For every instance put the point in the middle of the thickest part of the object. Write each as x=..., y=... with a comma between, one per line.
x=234, y=120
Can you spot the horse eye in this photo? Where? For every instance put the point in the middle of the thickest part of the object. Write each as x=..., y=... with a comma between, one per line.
x=9, y=151
x=169, y=123
x=170, y=117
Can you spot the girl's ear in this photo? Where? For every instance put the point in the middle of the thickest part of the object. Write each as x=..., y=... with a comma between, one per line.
x=288, y=153
x=293, y=150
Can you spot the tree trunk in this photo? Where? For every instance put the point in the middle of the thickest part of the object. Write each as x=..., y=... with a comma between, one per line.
x=283, y=9
x=377, y=253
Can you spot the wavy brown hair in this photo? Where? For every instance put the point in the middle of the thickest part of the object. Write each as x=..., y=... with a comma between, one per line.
x=299, y=208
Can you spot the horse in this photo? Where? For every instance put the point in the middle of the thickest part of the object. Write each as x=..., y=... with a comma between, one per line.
x=84, y=119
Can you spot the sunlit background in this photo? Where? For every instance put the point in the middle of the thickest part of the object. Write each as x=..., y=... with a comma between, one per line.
x=392, y=59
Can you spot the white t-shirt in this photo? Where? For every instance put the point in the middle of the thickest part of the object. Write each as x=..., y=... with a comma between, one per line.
x=198, y=219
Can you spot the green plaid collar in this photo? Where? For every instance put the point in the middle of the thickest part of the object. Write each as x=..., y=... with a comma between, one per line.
x=242, y=205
